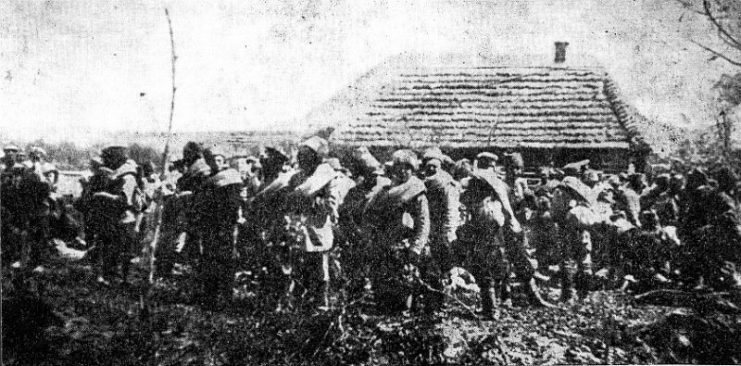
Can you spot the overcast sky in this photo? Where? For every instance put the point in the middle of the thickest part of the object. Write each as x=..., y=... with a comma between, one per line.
x=74, y=69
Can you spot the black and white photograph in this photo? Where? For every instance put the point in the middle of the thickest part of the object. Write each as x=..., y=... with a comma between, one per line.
x=370, y=182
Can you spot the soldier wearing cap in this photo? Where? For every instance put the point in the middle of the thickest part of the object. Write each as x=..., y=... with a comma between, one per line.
x=443, y=194
x=273, y=161
x=369, y=179
x=216, y=208
x=26, y=208
x=8, y=160
x=574, y=211
x=93, y=210
x=178, y=216
x=514, y=165
x=119, y=201
x=312, y=202
x=495, y=237
x=398, y=222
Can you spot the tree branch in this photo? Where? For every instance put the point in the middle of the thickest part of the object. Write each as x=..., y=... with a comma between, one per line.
x=718, y=54
x=172, y=99
x=165, y=157
x=688, y=6
x=733, y=41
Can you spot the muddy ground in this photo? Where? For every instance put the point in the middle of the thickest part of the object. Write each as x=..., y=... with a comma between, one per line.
x=62, y=316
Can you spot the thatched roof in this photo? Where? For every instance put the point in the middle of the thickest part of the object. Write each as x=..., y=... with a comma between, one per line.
x=474, y=105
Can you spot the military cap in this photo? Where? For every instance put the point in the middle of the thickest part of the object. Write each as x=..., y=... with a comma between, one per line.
x=11, y=147
x=405, y=157
x=215, y=151
x=37, y=151
x=317, y=144
x=433, y=162
x=276, y=152
x=487, y=156
x=434, y=153
x=575, y=168
x=114, y=151
x=514, y=160
x=366, y=162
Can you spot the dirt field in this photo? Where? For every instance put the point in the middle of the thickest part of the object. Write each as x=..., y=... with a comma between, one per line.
x=93, y=324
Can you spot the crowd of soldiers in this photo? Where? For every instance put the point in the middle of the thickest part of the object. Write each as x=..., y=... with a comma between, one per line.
x=392, y=232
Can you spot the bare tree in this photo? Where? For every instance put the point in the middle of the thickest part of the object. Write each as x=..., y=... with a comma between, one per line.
x=725, y=17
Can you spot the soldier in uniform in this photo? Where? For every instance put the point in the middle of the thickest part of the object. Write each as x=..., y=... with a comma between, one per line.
x=91, y=208
x=572, y=211
x=10, y=205
x=398, y=224
x=369, y=180
x=497, y=236
x=443, y=194
x=216, y=206
x=313, y=202
x=121, y=204
x=178, y=211
x=8, y=161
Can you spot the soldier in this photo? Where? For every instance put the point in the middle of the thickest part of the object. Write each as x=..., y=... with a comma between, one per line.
x=650, y=259
x=443, y=195
x=9, y=205
x=183, y=212
x=548, y=182
x=25, y=200
x=91, y=209
x=651, y=196
x=216, y=208
x=121, y=204
x=462, y=169
x=398, y=223
x=369, y=180
x=572, y=211
x=273, y=161
x=313, y=202
x=631, y=197
x=514, y=166
x=9, y=158
x=498, y=239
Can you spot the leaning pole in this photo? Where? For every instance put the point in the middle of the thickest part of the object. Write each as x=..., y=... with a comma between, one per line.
x=165, y=155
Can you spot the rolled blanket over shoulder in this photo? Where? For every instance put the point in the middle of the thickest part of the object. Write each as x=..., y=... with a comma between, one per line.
x=314, y=183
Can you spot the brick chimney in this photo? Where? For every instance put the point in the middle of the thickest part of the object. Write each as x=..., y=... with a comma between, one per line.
x=560, y=52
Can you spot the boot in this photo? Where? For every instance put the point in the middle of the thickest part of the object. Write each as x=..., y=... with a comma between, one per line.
x=582, y=283
x=505, y=294
x=324, y=304
x=533, y=295
x=568, y=293
x=488, y=299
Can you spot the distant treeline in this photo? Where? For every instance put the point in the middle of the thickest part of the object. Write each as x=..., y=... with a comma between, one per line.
x=69, y=156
